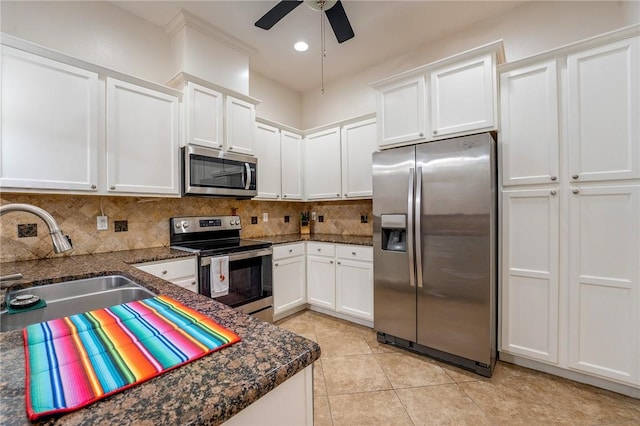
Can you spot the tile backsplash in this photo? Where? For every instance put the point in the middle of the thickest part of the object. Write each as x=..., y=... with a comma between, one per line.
x=147, y=221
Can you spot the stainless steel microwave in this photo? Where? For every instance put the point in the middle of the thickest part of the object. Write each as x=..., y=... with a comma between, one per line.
x=211, y=172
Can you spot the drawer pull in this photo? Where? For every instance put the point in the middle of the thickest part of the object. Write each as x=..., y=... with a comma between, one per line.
x=353, y=253
x=319, y=249
x=164, y=272
x=290, y=250
x=331, y=262
x=339, y=263
x=275, y=264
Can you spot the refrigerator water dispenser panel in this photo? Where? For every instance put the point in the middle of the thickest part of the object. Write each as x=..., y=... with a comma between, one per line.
x=394, y=232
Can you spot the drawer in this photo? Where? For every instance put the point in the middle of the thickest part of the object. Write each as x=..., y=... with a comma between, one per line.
x=189, y=284
x=283, y=251
x=363, y=253
x=321, y=249
x=170, y=269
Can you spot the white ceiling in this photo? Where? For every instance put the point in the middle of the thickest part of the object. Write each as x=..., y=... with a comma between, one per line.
x=383, y=29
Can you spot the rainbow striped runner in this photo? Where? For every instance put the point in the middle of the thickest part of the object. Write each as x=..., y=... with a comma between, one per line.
x=74, y=361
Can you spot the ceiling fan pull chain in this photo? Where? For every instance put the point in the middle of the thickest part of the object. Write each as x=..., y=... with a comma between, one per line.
x=323, y=45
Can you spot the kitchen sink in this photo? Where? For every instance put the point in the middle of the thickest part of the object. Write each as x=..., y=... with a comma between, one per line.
x=73, y=297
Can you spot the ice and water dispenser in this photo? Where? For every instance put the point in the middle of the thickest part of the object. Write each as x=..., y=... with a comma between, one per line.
x=394, y=232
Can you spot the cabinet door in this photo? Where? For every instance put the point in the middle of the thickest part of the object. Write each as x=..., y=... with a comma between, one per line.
x=142, y=140
x=604, y=282
x=358, y=144
x=463, y=97
x=322, y=164
x=321, y=279
x=402, y=112
x=48, y=124
x=604, y=112
x=267, y=150
x=204, y=116
x=291, y=149
x=240, y=124
x=289, y=284
x=529, y=125
x=529, y=285
x=354, y=288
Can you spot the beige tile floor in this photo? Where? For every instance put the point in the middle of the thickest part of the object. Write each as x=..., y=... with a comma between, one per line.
x=358, y=381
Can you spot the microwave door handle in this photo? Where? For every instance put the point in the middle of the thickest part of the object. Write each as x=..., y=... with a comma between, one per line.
x=247, y=183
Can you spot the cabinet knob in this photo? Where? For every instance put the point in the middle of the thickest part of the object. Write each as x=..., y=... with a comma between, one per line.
x=337, y=195
x=275, y=264
x=164, y=272
x=113, y=187
x=575, y=176
x=339, y=263
x=284, y=196
x=230, y=148
x=421, y=134
x=552, y=192
x=319, y=249
x=435, y=132
x=575, y=191
x=290, y=250
x=193, y=283
x=93, y=187
x=554, y=177
x=353, y=253
x=331, y=262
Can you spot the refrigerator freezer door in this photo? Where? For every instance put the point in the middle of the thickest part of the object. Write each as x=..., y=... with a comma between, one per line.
x=457, y=217
x=394, y=270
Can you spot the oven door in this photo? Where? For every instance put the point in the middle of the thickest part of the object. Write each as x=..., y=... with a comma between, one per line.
x=250, y=282
x=212, y=172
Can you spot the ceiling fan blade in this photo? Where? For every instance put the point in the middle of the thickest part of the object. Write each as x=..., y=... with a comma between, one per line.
x=278, y=12
x=339, y=22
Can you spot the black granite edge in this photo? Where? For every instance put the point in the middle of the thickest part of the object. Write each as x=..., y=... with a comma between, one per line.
x=256, y=385
x=358, y=240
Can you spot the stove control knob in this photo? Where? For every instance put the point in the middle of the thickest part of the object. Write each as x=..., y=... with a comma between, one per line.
x=184, y=224
x=231, y=222
x=237, y=221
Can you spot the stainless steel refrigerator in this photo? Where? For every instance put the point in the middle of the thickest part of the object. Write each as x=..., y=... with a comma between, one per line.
x=434, y=238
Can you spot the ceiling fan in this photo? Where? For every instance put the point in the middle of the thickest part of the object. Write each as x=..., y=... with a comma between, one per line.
x=333, y=9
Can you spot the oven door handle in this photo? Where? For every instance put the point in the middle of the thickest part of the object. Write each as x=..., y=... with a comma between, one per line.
x=239, y=256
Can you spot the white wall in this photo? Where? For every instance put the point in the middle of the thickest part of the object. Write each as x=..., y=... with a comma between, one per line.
x=279, y=103
x=526, y=30
x=97, y=32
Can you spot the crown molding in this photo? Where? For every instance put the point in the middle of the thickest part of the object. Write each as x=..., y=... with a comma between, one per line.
x=182, y=19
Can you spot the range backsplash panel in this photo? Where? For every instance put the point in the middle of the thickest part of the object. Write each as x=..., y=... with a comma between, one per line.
x=148, y=221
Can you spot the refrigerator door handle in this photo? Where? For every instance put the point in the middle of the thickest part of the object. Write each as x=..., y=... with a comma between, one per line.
x=410, y=207
x=417, y=227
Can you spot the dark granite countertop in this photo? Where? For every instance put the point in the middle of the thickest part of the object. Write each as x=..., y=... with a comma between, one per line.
x=209, y=390
x=358, y=240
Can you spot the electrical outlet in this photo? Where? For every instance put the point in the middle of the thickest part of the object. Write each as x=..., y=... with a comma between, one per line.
x=265, y=217
x=121, y=225
x=102, y=222
x=254, y=220
x=320, y=218
x=286, y=219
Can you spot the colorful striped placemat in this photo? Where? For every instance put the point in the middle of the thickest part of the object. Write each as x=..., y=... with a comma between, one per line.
x=74, y=361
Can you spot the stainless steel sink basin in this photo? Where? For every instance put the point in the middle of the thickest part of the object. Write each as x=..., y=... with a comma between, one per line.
x=73, y=297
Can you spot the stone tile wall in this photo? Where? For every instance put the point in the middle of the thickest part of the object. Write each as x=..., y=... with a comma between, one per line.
x=148, y=221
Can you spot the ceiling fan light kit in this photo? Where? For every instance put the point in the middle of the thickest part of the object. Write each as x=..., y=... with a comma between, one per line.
x=332, y=8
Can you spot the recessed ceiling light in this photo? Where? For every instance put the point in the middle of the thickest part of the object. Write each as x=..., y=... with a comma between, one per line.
x=301, y=46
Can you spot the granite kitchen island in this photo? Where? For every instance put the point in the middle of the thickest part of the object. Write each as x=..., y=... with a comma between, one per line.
x=210, y=390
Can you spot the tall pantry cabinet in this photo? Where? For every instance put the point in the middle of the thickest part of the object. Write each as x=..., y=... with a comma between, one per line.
x=570, y=175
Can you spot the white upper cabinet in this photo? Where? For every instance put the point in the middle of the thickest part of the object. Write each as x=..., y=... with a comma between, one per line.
x=203, y=115
x=529, y=124
x=142, y=140
x=322, y=164
x=402, y=112
x=604, y=281
x=49, y=124
x=463, y=97
x=239, y=125
x=604, y=112
x=267, y=150
x=358, y=144
x=451, y=97
x=291, y=165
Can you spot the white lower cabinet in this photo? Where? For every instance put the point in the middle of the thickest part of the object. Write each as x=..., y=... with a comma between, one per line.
x=354, y=281
x=181, y=272
x=289, y=280
x=321, y=275
x=530, y=273
x=604, y=282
